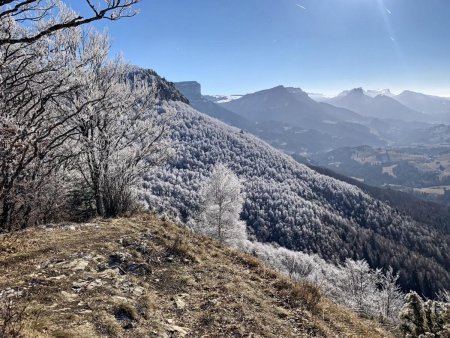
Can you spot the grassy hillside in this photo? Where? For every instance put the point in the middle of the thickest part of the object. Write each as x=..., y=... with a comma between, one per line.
x=145, y=277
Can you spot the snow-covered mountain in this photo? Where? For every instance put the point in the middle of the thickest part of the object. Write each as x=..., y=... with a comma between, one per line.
x=222, y=98
x=376, y=92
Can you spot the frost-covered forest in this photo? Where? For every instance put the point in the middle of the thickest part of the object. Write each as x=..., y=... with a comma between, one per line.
x=290, y=204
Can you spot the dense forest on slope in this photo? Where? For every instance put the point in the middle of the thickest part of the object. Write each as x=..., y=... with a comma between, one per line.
x=433, y=214
x=292, y=205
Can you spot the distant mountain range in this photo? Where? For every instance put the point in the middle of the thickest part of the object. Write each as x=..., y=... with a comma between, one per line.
x=222, y=98
x=290, y=105
x=436, y=108
x=287, y=118
x=380, y=106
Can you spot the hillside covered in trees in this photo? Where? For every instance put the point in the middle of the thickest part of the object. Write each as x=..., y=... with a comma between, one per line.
x=292, y=205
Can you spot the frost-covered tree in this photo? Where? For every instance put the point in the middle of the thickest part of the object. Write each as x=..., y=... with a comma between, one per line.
x=360, y=285
x=390, y=297
x=294, y=265
x=36, y=80
x=421, y=318
x=52, y=17
x=222, y=201
x=444, y=296
x=45, y=62
x=370, y=293
x=121, y=134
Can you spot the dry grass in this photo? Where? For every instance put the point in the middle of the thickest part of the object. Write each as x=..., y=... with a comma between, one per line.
x=144, y=277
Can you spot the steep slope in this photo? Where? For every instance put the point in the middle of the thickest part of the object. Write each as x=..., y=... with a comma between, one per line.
x=159, y=88
x=145, y=277
x=381, y=106
x=292, y=205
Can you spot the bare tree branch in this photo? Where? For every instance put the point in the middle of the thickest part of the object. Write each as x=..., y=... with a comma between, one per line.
x=33, y=10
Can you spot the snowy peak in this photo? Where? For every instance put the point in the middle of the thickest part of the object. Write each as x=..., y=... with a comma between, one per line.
x=222, y=98
x=374, y=93
x=299, y=93
x=356, y=92
x=369, y=92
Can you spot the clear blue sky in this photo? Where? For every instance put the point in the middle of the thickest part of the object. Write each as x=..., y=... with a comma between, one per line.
x=240, y=46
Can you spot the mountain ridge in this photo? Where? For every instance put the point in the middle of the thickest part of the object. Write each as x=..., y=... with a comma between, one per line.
x=380, y=106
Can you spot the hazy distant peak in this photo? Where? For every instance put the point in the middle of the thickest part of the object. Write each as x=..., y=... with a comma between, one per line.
x=279, y=88
x=226, y=98
x=357, y=91
x=376, y=92
x=299, y=93
x=352, y=92
x=319, y=97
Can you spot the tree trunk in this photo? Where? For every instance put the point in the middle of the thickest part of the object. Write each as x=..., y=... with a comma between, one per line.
x=5, y=219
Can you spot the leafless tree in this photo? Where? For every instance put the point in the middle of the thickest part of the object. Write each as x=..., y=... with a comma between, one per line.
x=52, y=17
x=222, y=203
x=46, y=63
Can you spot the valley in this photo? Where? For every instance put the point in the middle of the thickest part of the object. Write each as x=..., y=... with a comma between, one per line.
x=420, y=170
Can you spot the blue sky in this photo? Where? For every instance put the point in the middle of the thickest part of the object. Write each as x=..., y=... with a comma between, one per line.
x=240, y=46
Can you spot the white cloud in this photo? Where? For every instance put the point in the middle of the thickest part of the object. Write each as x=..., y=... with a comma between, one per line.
x=300, y=6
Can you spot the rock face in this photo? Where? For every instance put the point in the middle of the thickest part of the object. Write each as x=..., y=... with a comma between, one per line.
x=190, y=89
x=159, y=88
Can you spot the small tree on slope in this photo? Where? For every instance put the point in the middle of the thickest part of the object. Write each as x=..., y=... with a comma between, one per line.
x=222, y=202
x=421, y=318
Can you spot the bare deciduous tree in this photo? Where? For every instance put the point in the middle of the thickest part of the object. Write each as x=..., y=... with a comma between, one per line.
x=222, y=204
x=390, y=296
x=54, y=80
x=120, y=136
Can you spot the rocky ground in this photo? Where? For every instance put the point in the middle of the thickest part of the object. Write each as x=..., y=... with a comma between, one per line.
x=147, y=277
